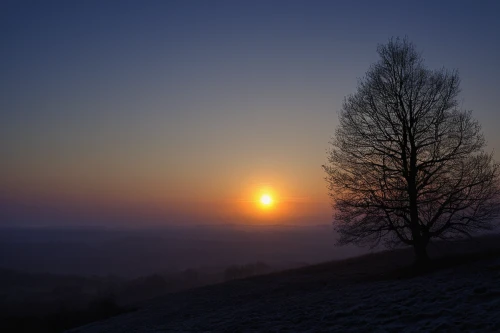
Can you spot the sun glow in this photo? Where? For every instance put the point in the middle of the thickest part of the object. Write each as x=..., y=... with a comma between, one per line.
x=266, y=200
x=261, y=203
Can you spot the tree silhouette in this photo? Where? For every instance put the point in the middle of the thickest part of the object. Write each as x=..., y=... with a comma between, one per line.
x=406, y=165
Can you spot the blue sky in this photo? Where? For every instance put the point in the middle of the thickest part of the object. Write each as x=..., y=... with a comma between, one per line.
x=197, y=103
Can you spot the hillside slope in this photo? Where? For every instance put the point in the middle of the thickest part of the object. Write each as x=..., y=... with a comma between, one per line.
x=369, y=293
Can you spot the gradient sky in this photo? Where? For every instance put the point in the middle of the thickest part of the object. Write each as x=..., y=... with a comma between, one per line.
x=182, y=111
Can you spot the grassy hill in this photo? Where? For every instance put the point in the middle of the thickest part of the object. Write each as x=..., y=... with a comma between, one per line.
x=376, y=292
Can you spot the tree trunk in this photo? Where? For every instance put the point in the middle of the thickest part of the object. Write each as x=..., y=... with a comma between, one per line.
x=421, y=257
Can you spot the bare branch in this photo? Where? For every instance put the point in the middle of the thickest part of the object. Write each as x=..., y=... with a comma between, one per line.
x=406, y=165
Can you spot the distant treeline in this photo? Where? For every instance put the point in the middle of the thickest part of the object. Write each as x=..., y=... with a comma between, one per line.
x=54, y=303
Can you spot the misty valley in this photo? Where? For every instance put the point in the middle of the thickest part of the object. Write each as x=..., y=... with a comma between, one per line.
x=54, y=279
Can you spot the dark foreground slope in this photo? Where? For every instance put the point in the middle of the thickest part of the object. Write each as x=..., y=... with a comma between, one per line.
x=371, y=293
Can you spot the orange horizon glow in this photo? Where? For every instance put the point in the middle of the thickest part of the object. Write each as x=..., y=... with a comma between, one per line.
x=261, y=199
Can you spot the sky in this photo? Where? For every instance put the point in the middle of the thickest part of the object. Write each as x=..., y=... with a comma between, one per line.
x=174, y=112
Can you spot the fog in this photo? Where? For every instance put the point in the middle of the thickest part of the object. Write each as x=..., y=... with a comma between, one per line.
x=52, y=279
x=136, y=252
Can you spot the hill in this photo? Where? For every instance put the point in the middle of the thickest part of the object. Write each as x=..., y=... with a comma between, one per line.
x=376, y=292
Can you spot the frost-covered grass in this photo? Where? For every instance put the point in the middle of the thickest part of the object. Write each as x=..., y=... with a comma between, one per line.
x=374, y=293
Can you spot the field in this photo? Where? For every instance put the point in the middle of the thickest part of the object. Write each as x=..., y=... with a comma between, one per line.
x=376, y=293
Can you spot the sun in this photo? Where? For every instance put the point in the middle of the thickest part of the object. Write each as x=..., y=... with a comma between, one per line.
x=266, y=200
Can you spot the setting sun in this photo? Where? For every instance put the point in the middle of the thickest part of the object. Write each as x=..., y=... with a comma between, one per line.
x=262, y=202
x=266, y=200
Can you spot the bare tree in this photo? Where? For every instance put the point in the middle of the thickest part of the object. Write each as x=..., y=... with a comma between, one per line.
x=406, y=165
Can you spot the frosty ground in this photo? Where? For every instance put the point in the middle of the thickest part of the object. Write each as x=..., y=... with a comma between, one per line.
x=373, y=293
